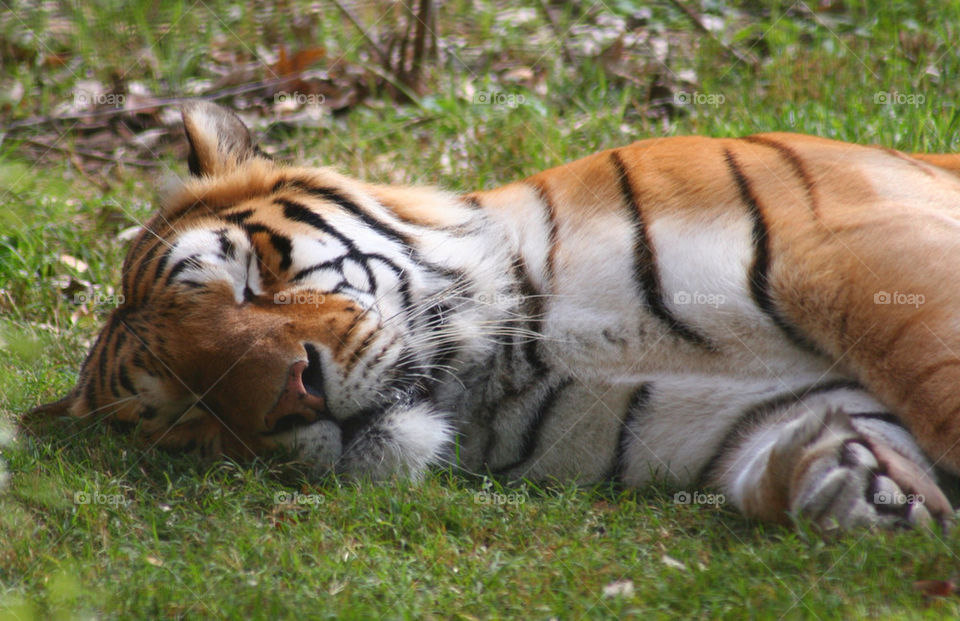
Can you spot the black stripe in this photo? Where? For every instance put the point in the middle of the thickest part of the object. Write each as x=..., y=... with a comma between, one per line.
x=532, y=307
x=114, y=384
x=758, y=414
x=105, y=349
x=227, y=248
x=384, y=228
x=301, y=213
x=401, y=276
x=760, y=270
x=283, y=245
x=348, y=205
x=636, y=407
x=90, y=395
x=121, y=339
x=161, y=264
x=298, y=212
x=280, y=243
x=435, y=321
x=139, y=362
x=552, y=236
x=134, y=275
x=300, y=275
x=532, y=433
x=144, y=261
x=146, y=234
x=440, y=270
x=645, y=264
x=192, y=261
x=125, y=380
x=791, y=157
x=238, y=217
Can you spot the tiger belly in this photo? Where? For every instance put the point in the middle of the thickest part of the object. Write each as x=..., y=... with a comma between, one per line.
x=638, y=374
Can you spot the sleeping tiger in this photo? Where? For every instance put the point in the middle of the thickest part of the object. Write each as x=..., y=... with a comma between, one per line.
x=771, y=317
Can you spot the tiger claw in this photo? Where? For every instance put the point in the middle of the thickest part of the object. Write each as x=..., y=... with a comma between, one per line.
x=840, y=479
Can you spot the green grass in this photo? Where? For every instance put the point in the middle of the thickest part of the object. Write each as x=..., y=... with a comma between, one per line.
x=165, y=536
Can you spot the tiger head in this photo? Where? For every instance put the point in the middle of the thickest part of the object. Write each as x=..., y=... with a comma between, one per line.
x=266, y=306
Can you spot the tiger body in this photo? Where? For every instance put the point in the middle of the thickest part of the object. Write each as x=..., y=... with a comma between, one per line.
x=709, y=312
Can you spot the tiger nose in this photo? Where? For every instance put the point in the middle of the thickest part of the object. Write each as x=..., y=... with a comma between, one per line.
x=296, y=406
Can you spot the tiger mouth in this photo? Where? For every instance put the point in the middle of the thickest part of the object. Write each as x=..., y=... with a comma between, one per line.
x=291, y=422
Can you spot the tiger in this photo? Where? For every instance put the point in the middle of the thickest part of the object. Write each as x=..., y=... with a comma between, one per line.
x=770, y=317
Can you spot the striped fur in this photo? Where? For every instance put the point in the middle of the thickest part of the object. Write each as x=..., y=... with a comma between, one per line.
x=711, y=312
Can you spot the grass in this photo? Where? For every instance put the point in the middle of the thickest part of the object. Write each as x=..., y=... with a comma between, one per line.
x=92, y=527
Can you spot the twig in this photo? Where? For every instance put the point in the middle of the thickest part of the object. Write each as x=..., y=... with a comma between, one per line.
x=93, y=155
x=100, y=183
x=156, y=103
x=383, y=57
x=745, y=57
x=419, y=43
x=394, y=82
x=561, y=37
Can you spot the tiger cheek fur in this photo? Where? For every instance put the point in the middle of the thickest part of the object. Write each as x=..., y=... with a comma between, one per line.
x=695, y=310
x=256, y=344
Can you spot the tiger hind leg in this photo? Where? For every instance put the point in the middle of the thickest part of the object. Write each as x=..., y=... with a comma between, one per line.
x=838, y=470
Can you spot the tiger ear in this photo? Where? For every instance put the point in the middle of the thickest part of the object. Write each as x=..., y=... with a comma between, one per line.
x=219, y=141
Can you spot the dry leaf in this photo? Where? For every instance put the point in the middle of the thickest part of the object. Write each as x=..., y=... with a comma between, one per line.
x=73, y=262
x=298, y=62
x=619, y=588
x=936, y=588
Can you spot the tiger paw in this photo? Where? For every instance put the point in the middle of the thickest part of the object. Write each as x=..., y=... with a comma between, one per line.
x=841, y=479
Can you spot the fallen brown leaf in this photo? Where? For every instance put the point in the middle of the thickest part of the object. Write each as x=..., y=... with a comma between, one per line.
x=936, y=588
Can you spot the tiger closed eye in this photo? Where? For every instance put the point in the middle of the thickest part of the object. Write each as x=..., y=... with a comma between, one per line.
x=670, y=310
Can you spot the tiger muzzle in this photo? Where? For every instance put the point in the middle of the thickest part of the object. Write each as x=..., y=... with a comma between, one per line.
x=296, y=406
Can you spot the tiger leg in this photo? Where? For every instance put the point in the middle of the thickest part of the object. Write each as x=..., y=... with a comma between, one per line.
x=862, y=268
x=826, y=460
x=896, y=327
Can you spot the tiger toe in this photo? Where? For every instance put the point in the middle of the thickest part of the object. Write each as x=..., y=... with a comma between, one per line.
x=844, y=480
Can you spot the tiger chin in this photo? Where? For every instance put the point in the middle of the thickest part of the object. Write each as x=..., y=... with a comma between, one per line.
x=773, y=317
